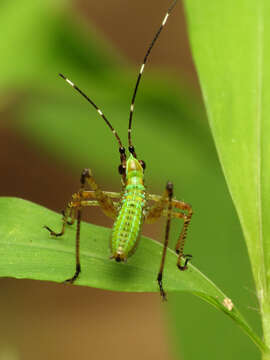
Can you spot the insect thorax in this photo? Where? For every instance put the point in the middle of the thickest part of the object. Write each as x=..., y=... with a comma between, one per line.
x=127, y=226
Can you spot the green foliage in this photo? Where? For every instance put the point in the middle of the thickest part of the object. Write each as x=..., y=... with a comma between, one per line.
x=170, y=134
x=230, y=46
x=29, y=252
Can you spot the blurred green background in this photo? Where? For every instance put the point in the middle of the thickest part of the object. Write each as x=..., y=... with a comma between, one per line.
x=48, y=134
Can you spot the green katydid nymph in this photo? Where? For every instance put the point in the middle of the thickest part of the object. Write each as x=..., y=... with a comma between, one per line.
x=130, y=208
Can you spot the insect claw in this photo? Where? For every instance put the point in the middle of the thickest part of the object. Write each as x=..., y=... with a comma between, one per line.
x=187, y=257
x=47, y=228
x=161, y=290
x=162, y=293
x=182, y=268
x=164, y=296
x=52, y=232
x=75, y=276
x=68, y=281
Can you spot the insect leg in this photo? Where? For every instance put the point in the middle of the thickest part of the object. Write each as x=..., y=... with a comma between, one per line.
x=85, y=199
x=169, y=191
x=88, y=200
x=78, y=231
x=67, y=213
x=81, y=199
x=105, y=200
x=181, y=240
x=71, y=217
x=157, y=209
x=78, y=264
x=182, y=237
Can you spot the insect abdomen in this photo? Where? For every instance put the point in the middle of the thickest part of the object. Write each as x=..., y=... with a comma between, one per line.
x=127, y=227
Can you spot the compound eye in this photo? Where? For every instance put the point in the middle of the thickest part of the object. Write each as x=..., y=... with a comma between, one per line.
x=121, y=169
x=143, y=165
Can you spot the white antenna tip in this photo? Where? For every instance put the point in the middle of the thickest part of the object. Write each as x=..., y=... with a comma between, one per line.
x=69, y=82
x=165, y=19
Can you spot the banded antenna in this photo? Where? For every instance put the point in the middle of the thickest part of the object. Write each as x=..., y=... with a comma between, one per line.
x=121, y=148
x=131, y=147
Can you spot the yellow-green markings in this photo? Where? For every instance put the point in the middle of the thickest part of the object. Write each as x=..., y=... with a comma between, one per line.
x=128, y=224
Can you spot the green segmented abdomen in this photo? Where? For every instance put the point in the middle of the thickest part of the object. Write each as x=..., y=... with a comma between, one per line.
x=127, y=227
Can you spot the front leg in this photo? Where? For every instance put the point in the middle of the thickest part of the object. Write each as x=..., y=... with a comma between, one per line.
x=105, y=201
x=81, y=199
x=69, y=212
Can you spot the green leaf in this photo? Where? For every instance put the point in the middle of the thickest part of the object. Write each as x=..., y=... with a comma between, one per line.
x=28, y=251
x=230, y=42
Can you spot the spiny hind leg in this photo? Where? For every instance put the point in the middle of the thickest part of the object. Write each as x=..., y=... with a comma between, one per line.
x=179, y=249
x=183, y=234
x=158, y=210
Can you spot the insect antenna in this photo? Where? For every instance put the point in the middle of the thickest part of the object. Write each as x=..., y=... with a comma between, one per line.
x=131, y=147
x=121, y=148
